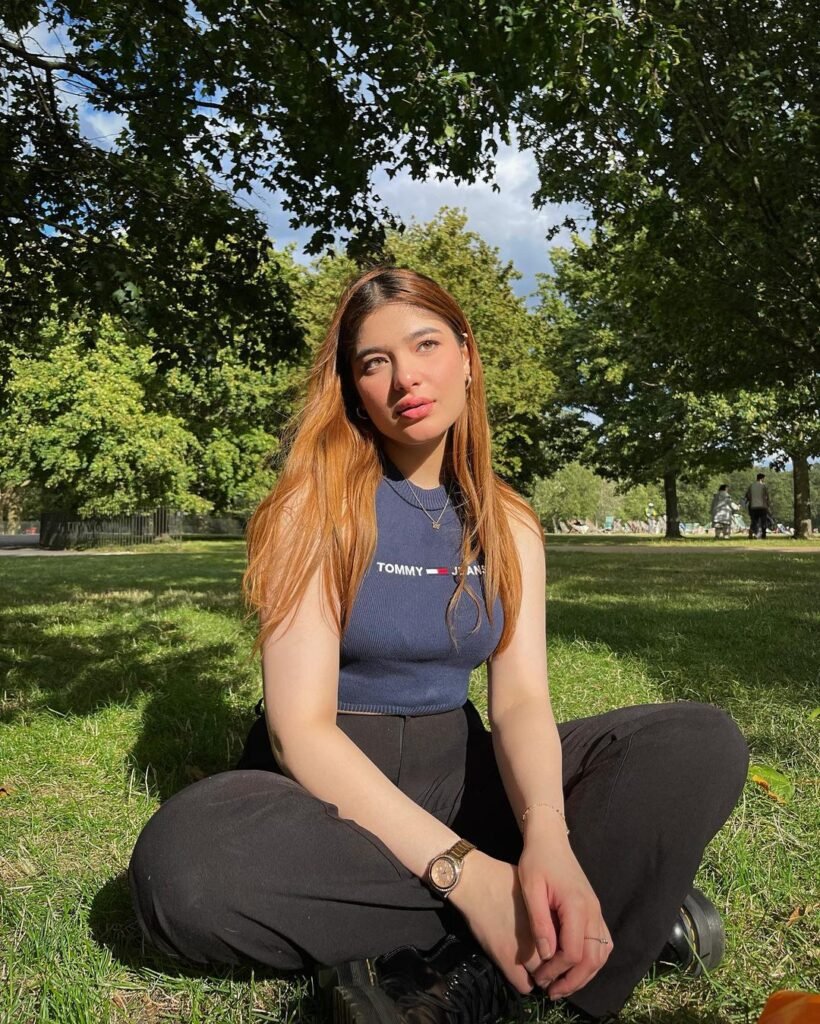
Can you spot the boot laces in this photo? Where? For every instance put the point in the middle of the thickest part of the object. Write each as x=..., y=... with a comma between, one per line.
x=475, y=993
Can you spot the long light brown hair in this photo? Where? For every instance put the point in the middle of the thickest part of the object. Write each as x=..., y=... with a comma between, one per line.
x=321, y=512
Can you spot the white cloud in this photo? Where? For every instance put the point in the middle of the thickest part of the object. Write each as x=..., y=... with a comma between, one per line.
x=505, y=219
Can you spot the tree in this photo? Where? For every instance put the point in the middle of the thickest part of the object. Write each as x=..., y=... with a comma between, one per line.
x=627, y=366
x=716, y=161
x=76, y=427
x=781, y=425
x=210, y=102
x=628, y=356
x=574, y=492
x=235, y=413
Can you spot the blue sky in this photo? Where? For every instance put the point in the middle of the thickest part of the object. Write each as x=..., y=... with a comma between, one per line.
x=505, y=219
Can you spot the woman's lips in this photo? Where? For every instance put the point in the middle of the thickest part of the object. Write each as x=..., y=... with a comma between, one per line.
x=417, y=412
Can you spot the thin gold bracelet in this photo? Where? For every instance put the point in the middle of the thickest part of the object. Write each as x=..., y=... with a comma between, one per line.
x=559, y=812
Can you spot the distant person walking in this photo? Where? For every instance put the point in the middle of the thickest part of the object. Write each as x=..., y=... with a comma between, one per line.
x=723, y=508
x=757, y=501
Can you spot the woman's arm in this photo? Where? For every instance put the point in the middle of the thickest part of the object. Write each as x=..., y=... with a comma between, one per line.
x=562, y=907
x=300, y=668
x=525, y=737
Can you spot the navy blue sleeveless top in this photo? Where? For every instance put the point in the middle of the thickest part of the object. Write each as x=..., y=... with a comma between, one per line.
x=397, y=656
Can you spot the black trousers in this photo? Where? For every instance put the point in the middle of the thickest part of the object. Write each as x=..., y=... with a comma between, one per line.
x=759, y=521
x=248, y=866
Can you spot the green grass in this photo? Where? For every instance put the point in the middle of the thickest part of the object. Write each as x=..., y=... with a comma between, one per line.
x=128, y=676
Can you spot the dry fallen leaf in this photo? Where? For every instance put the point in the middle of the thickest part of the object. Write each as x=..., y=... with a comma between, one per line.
x=775, y=784
x=799, y=912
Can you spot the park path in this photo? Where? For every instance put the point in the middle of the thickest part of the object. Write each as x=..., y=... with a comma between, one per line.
x=16, y=547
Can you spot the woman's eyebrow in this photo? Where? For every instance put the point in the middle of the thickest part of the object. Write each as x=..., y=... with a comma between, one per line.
x=413, y=334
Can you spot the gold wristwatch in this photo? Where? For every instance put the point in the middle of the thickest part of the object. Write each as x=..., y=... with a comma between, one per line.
x=444, y=871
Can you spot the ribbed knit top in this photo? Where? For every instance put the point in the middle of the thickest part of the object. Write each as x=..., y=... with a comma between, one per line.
x=397, y=656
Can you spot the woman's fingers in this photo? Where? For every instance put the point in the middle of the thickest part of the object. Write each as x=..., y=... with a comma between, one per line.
x=570, y=943
x=533, y=964
x=577, y=976
x=518, y=976
x=595, y=955
x=540, y=917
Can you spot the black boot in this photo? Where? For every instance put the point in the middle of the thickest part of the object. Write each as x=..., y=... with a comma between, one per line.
x=453, y=983
x=697, y=941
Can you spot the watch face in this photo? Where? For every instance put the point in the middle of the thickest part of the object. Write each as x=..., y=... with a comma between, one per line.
x=442, y=872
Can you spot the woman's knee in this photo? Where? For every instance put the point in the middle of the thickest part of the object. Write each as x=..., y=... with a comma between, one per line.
x=192, y=867
x=708, y=737
x=168, y=893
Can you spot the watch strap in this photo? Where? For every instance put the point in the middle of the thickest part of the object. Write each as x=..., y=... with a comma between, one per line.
x=459, y=850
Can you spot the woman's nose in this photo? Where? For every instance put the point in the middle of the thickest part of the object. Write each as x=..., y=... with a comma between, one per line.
x=405, y=375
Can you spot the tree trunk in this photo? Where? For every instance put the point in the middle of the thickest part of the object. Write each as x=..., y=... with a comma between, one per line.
x=11, y=511
x=802, y=497
x=670, y=490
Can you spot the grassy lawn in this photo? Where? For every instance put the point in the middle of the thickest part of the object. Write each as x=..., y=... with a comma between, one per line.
x=128, y=676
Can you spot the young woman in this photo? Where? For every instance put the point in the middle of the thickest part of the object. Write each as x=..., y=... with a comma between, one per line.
x=437, y=870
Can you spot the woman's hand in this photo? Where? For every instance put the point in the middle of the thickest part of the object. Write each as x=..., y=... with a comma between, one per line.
x=489, y=896
x=563, y=911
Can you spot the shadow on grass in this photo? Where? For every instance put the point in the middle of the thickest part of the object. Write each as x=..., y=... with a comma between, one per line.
x=164, y=632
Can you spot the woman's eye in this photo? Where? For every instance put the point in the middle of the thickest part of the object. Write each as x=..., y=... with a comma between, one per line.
x=371, y=363
x=429, y=341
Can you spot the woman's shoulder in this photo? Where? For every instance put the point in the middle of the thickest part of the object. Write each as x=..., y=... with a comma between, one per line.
x=520, y=516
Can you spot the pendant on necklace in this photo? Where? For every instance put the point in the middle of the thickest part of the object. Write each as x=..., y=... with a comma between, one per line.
x=436, y=526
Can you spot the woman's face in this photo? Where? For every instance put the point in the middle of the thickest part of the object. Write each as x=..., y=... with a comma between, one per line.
x=404, y=355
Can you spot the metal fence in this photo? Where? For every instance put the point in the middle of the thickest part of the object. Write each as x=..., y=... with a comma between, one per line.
x=59, y=530
x=214, y=526
x=62, y=530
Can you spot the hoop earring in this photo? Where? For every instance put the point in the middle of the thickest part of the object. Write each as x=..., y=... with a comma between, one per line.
x=361, y=415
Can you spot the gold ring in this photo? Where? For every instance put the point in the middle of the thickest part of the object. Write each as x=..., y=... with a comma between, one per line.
x=594, y=938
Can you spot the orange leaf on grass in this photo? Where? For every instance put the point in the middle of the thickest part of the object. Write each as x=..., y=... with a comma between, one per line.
x=775, y=784
x=799, y=912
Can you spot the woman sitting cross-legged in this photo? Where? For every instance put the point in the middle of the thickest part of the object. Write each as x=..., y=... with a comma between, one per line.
x=373, y=829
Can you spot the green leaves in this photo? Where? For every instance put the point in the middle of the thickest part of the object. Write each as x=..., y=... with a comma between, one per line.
x=307, y=100
x=79, y=427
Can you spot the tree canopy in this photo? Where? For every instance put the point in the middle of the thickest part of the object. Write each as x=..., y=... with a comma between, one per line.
x=211, y=101
x=79, y=429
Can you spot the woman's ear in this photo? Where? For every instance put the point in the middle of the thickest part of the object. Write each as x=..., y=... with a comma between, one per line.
x=465, y=356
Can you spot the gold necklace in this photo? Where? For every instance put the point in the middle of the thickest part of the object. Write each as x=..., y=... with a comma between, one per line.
x=436, y=522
